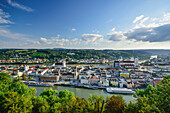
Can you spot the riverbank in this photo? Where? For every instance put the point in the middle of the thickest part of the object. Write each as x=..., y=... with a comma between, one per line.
x=68, y=84
x=84, y=93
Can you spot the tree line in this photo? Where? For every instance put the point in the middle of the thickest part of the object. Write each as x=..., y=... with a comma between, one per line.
x=16, y=97
x=62, y=53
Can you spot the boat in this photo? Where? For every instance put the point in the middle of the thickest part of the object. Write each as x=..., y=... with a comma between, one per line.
x=92, y=87
x=119, y=90
x=38, y=84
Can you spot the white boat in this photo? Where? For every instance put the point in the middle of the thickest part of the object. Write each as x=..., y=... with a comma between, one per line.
x=119, y=90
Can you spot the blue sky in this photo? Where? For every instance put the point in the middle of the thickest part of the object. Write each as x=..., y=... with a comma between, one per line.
x=85, y=24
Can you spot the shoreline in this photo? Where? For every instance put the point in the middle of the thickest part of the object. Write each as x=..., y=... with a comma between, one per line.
x=67, y=84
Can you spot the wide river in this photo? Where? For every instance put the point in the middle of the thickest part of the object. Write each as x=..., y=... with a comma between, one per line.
x=81, y=92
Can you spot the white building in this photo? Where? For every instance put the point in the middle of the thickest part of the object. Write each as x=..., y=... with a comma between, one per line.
x=64, y=63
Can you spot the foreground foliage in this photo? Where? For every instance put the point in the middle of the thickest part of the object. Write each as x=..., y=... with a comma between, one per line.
x=17, y=97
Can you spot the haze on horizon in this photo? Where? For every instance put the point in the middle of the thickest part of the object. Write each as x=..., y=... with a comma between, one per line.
x=85, y=24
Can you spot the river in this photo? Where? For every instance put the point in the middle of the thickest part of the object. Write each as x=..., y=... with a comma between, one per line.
x=81, y=92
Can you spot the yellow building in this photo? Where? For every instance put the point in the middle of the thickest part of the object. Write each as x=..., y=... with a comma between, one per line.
x=125, y=75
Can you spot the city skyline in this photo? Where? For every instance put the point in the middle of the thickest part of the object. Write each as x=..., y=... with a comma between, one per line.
x=85, y=24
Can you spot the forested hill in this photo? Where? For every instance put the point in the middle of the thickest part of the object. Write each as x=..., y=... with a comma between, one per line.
x=78, y=53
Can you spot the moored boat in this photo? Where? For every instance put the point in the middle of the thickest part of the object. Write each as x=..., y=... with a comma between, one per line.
x=119, y=90
x=38, y=84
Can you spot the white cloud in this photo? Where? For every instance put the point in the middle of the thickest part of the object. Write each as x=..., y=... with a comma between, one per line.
x=86, y=41
x=15, y=38
x=73, y=29
x=147, y=29
x=113, y=29
x=92, y=37
x=8, y=34
x=138, y=18
x=4, y=18
x=116, y=36
x=17, y=5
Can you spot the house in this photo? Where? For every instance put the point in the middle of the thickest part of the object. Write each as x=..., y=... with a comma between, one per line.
x=42, y=71
x=68, y=76
x=122, y=83
x=139, y=73
x=105, y=82
x=130, y=84
x=114, y=82
x=93, y=80
x=84, y=80
x=84, y=77
x=49, y=78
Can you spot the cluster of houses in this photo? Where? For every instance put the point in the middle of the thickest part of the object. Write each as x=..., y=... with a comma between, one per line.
x=121, y=74
x=24, y=60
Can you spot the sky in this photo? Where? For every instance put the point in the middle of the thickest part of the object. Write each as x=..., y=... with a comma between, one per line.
x=85, y=24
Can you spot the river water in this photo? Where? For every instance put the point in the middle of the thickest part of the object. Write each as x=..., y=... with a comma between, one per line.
x=81, y=92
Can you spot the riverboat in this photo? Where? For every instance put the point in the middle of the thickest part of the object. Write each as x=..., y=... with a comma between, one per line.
x=119, y=90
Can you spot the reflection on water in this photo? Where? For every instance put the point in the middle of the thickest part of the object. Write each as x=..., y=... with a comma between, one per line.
x=81, y=92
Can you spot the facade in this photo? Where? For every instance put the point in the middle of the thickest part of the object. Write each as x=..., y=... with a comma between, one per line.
x=49, y=78
x=105, y=82
x=84, y=81
x=114, y=82
x=116, y=64
x=130, y=84
x=129, y=64
x=125, y=75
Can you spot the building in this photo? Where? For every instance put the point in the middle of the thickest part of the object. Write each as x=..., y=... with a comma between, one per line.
x=130, y=84
x=116, y=64
x=105, y=82
x=64, y=63
x=49, y=78
x=93, y=80
x=126, y=64
x=125, y=75
x=122, y=83
x=114, y=82
x=84, y=80
x=120, y=58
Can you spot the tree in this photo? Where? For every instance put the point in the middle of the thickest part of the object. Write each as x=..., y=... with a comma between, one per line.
x=51, y=98
x=115, y=104
x=4, y=76
x=15, y=96
x=15, y=103
x=131, y=108
x=157, y=98
x=40, y=105
x=76, y=105
x=96, y=103
x=65, y=96
x=24, y=77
